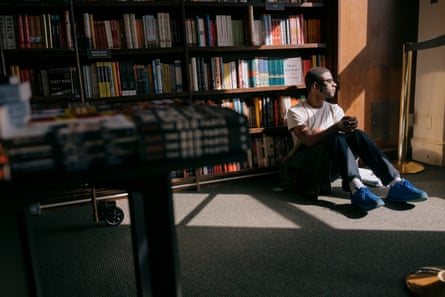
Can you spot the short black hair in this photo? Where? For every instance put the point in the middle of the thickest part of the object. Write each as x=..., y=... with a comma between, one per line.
x=314, y=75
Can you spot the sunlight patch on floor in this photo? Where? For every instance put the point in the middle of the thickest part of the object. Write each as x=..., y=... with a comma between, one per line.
x=227, y=211
x=337, y=213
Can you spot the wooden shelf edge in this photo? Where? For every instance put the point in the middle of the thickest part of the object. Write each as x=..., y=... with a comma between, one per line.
x=223, y=177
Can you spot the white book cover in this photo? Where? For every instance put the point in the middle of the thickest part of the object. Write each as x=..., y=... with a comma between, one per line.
x=10, y=32
x=233, y=75
x=127, y=30
x=193, y=73
x=87, y=29
x=133, y=30
x=293, y=71
x=201, y=31
x=108, y=34
x=229, y=30
x=219, y=30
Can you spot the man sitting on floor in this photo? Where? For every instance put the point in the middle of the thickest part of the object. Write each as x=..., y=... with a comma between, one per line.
x=327, y=144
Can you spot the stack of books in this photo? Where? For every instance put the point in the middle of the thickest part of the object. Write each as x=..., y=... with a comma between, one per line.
x=129, y=135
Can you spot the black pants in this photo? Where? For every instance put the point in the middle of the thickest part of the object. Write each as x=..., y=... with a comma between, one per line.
x=337, y=156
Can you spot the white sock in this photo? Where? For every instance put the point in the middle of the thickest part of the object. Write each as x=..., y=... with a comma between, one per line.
x=394, y=181
x=355, y=184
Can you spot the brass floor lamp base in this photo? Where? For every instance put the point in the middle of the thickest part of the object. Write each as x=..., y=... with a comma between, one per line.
x=408, y=167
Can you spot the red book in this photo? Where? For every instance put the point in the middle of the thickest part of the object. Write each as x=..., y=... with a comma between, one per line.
x=276, y=112
x=21, y=31
x=307, y=65
x=26, y=31
x=276, y=32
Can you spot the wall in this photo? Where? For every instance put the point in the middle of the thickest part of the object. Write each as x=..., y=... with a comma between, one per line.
x=371, y=34
x=429, y=95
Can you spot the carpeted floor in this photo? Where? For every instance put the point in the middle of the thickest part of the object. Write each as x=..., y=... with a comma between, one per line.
x=243, y=239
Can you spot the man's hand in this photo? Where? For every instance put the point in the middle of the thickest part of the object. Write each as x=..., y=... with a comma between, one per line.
x=348, y=124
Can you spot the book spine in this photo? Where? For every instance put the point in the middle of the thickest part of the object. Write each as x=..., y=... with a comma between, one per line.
x=32, y=31
x=178, y=76
x=161, y=30
x=194, y=74
x=49, y=31
x=166, y=78
x=200, y=27
x=86, y=74
x=168, y=30
x=109, y=79
x=117, y=78
x=26, y=31
x=108, y=34
x=127, y=30
x=69, y=37
x=20, y=29
x=92, y=31
x=147, y=75
x=133, y=30
x=87, y=30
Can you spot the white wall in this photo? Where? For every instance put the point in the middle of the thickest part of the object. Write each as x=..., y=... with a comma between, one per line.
x=429, y=96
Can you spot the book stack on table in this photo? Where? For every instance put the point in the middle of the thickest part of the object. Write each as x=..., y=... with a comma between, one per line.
x=124, y=136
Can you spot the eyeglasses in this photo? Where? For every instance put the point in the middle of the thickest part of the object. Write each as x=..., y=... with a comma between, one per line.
x=329, y=81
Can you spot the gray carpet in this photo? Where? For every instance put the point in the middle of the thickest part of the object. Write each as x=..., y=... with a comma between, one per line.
x=243, y=239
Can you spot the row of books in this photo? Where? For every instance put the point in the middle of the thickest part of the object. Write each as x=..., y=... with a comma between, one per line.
x=268, y=111
x=265, y=151
x=219, y=73
x=260, y=112
x=25, y=31
x=253, y=1
x=52, y=81
x=234, y=1
x=223, y=30
x=217, y=30
x=149, y=31
x=154, y=31
x=268, y=150
x=104, y=79
x=208, y=170
x=287, y=30
x=286, y=1
x=124, y=78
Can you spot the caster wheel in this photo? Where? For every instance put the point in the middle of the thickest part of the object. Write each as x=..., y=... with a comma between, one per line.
x=114, y=216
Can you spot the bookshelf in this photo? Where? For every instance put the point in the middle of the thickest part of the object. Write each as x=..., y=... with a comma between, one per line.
x=236, y=54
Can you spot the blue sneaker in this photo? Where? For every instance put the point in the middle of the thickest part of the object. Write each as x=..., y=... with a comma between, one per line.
x=404, y=191
x=365, y=200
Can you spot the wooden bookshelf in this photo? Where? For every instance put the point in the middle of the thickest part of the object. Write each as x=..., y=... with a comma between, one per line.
x=97, y=54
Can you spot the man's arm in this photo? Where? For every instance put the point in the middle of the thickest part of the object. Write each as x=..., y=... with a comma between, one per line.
x=309, y=138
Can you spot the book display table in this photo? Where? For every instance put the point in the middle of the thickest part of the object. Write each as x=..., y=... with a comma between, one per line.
x=133, y=150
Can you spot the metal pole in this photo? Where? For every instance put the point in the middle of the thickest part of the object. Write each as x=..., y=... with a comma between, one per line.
x=402, y=164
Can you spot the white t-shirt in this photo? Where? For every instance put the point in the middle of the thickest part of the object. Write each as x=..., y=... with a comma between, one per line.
x=316, y=119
